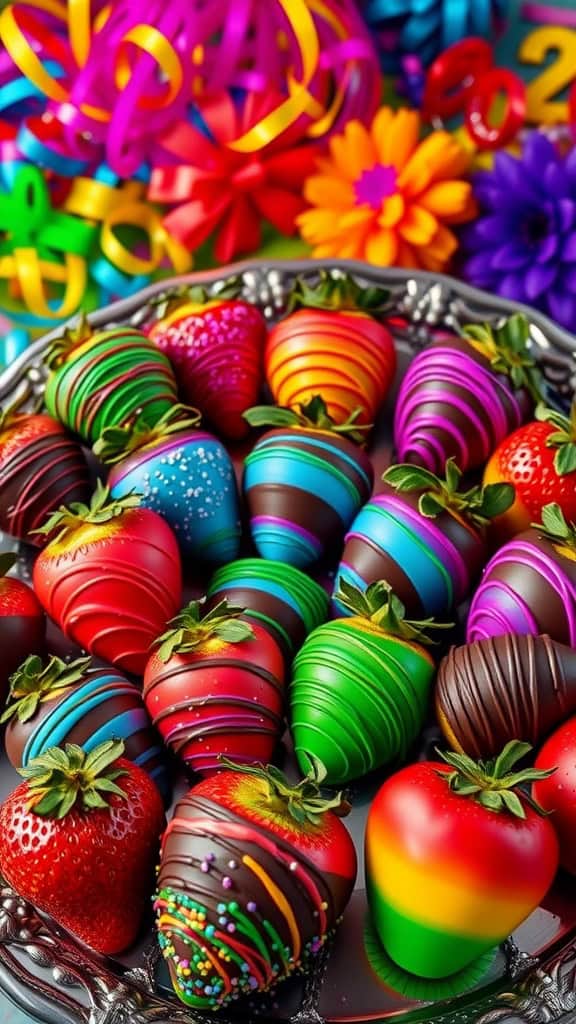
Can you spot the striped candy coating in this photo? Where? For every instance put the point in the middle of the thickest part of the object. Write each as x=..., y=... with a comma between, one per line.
x=287, y=602
x=303, y=488
x=431, y=564
x=103, y=705
x=107, y=379
x=358, y=698
x=528, y=587
x=451, y=403
x=348, y=358
x=189, y=480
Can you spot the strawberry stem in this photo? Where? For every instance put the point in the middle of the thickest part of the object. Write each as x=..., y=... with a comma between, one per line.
x=116, y=443
x=35, y=682
x=556, y=528
x=506, y=349
x=563, y=439
x=102, y=509
x=478, y=505
x=313, y=415
x=493, y=784
x=380, y=605
x=339, y=292
x=191, y=630
x=61, y=348
x=302, y=801
x=61, y=779
x=194, y=295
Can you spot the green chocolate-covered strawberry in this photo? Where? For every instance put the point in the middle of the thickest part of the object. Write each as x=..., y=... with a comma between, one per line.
x=360, y=686
x=104, y=378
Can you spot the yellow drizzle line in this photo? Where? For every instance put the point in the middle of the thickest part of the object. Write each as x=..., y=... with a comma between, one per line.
x=280, y=901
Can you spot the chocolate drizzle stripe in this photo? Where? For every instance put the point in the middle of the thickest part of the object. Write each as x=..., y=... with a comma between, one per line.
x=248, y=666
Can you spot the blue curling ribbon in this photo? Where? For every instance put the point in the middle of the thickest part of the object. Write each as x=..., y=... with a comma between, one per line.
x=426, y=28
x=12, y=345
x=21, y=89
x=113, y=282
x=43, y=156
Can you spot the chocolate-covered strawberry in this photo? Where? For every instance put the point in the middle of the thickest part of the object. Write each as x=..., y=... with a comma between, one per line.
x=53, y=702
x=22, y=622
x=529, y=586
x=423, y=534
x=110, y=577
x=217, y=347
x=215, y=686
x=304, y=481
x=79, y=838
x=502, y=688
x=360, y=686
x=183, y=473
x=462, y=395
x=287, y=602
x=102, y=378
x=41, y=468
x=333, y=346
x=254, y=874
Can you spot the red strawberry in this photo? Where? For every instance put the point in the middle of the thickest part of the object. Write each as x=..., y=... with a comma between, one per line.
x=22, y=622
x=79, y=839
x=540, y=460
x=110, y=577
x=217, y=347
x=41, y=467
x=254, y=874
x=215, y=686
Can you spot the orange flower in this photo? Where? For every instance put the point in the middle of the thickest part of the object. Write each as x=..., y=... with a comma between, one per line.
x=385, y=196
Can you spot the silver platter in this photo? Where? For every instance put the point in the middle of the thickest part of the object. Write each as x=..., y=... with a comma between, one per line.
x=57, y=980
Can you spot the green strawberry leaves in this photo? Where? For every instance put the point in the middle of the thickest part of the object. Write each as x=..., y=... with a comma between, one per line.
x=563, y=439
x=380, y=605
x=554, y=526
x=191, y=630
x=478, y=505
x=493, y=783
x=116, y=443
x=304, y=801
x=61, y=779
x=33, y=682
x=339, y=292
x=507, y=349
x=313, y=415
x=102, y=509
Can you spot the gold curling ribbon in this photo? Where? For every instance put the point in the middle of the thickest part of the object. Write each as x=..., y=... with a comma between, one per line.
x=24, y=269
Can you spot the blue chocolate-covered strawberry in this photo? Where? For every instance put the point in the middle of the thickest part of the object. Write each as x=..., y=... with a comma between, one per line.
x=183, y=473
x=304, y=481
x=423, y=534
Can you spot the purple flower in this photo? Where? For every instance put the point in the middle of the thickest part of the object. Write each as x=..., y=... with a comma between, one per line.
x=523, y=244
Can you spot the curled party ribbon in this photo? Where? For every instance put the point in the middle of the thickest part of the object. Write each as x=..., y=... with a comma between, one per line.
x=92, y=236
x=119, y=83
x=425, y=28
x=216, y=189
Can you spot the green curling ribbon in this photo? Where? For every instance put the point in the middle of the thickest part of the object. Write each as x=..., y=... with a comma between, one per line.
x=29, y=221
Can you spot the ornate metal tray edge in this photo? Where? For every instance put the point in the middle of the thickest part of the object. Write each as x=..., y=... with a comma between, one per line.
x=57, y=980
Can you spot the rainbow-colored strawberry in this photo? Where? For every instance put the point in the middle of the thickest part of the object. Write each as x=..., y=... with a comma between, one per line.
x=217, y=347
x=182, y=473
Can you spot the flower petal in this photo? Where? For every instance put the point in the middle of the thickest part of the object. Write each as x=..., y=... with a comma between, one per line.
x=395, y=137
x=354, y=151
x=382, y=247
x=438, y=157
x=357, y=217
x=418, y=226
x=323, y=191
x=563, y=308
x=538, y=280
x=569, y=250
x=511, y=286
x=318, y=225
x=443, y=245
x=392, y=211
x=511, y=256
x=446, y=198
x=407, y=257
x=547, y=249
